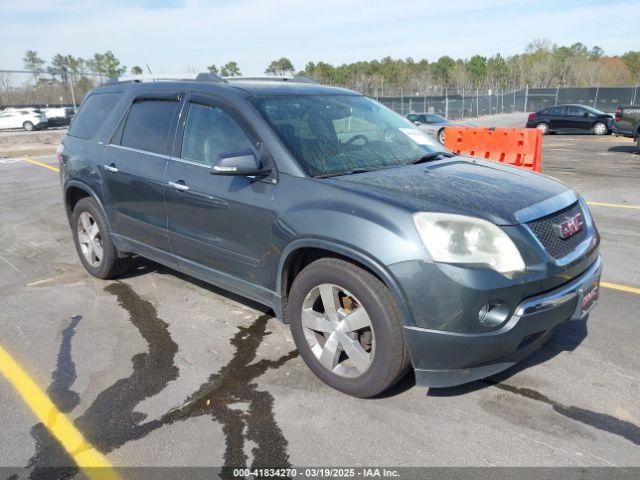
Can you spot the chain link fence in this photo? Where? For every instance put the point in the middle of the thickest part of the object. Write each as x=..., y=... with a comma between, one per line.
x=35, y=100
x=457, y=105
x=40, y=100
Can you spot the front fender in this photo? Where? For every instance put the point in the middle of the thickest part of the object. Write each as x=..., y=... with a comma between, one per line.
x=350, y=252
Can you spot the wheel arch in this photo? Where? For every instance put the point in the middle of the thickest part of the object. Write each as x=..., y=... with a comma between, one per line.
x=74, y=191
x=300, y=253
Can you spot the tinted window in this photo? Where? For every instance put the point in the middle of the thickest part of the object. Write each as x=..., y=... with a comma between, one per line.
x=557, y=111
x=575, y=111
x=148, y=124
x=92, y=114
x=208, y=132
x=413, y=118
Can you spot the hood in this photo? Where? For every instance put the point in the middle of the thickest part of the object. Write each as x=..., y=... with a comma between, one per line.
x=458, y=185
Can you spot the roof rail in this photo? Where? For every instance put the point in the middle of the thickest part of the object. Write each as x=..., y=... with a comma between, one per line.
x=294, y=79
x=167, y=77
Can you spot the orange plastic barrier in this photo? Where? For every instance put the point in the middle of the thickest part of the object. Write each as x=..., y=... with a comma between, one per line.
x=521, y=147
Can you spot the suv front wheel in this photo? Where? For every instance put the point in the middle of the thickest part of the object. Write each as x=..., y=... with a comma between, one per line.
x=94, y=245
x=346, y=326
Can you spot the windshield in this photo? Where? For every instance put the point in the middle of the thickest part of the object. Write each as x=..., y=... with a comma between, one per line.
x=335, y=134
x=433, y=118
x=595, y=111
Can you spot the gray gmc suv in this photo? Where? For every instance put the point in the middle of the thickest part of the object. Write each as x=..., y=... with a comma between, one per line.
x=379, y=248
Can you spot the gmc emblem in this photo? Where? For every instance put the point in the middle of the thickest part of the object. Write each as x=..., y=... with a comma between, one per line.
x=571, y=226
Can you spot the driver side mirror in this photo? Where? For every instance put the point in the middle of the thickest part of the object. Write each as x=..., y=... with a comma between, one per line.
x=240, y=163
x=585, y=114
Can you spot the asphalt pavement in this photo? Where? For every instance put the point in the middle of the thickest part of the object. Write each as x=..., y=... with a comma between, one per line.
x=159, y=369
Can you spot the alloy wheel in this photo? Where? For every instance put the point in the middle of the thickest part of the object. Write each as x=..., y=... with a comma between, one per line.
x=600, y=129
x=543, y=127
x=90, y=239
x=338, y=330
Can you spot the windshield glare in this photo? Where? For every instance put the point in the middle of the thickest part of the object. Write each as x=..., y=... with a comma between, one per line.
x=335, y=134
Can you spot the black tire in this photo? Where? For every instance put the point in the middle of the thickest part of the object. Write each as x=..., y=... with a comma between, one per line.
x=441, y=136
x=391, y=359
x=111, y=265
x=28, y=126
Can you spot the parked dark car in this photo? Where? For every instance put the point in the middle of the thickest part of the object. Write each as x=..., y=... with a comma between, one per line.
x=627, y=123
x=434, y=124
x=381, y=249
x=571, y=119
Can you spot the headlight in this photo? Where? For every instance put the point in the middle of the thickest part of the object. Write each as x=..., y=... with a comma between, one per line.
x=460, y=239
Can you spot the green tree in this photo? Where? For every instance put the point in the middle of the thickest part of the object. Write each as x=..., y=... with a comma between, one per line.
x=33, y=63
x=477, y=66
x=230, y=69
x=59, y=67
x=442, y=70
x=106, y=64
x=282, y=66
x=632, y=61
x=213, y=69
x=136, y=70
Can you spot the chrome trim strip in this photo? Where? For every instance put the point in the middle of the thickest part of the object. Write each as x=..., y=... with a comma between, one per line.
x=559, y=296
x=159, y=155
x=546, y=207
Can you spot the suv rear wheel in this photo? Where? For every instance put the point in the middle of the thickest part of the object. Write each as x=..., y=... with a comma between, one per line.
x=346, y=326
x=94, y=245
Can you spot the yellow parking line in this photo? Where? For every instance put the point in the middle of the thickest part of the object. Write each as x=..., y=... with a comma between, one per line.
x=613, y=205
x=94, y=464
x=40, y=164
x=622, y=288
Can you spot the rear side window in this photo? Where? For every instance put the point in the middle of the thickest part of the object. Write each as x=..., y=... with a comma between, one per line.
x=92, y=115
x=148, y=125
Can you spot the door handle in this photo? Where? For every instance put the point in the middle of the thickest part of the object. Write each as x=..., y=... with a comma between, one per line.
x=179, y=186
x=111, y=168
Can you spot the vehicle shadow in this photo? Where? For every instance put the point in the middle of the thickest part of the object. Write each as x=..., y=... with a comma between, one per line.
x=565, y=338
x=142, y=266
x=623, y=149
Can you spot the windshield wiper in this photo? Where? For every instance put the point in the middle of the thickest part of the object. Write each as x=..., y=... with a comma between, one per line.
x=355, y=170
x=431, y=156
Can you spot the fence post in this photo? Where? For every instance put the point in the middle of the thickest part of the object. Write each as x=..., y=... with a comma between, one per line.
x=410, y=105
x=401, y=101
x=502, y=98
x=424, y=100
x=73, y=95
x=595, y=100
x=557, y=91
x=635, y=91
x=477, y=102
x=526, y=98
x=462, y=103
x=446, y=103
x=514, y=101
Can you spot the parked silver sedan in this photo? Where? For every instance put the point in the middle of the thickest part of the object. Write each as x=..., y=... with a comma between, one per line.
x=434, y=124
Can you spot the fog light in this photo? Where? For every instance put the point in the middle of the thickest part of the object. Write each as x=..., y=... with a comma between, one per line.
x=493, y=313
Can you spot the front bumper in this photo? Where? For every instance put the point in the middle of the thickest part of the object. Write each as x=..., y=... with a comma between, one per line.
x=445, y=359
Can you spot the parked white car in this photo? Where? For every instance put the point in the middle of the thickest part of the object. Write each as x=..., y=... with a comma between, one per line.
x=26, y=118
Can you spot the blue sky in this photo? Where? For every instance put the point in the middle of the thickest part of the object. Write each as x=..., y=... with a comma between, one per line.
x=180, y=35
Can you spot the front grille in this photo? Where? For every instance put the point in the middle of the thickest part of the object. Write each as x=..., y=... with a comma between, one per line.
x=545, y=229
